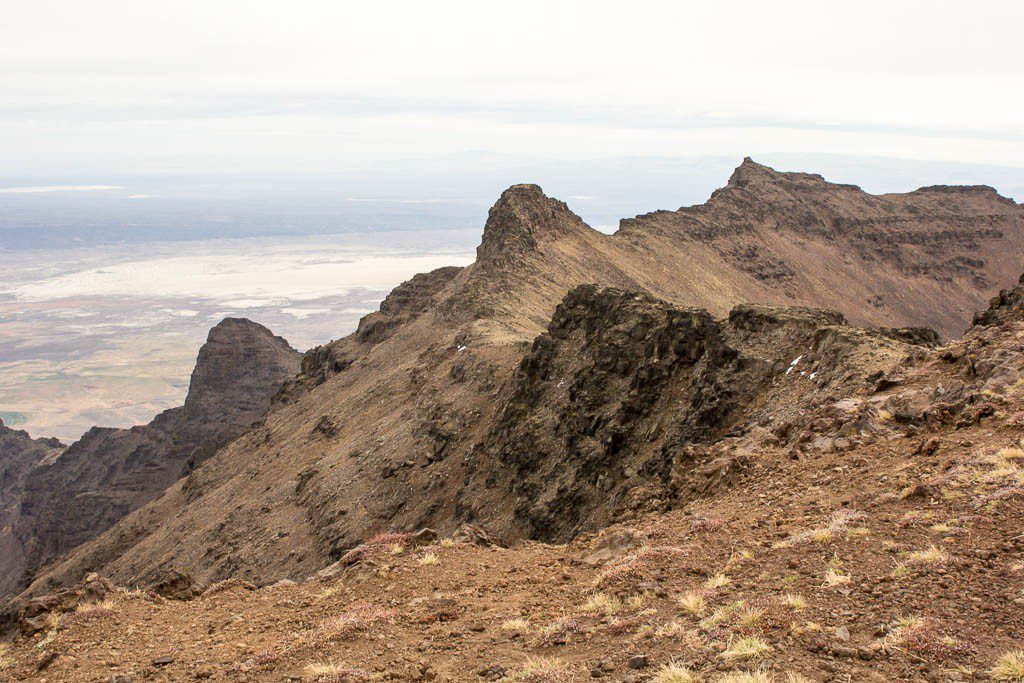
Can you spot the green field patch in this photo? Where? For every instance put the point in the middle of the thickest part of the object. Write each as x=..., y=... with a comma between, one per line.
x=12, y=419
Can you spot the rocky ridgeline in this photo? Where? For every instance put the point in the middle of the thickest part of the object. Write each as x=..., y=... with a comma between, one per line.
x=627, y=398
x=106, y=474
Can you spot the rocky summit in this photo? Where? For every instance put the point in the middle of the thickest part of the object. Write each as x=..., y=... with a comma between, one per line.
x=71, y=497
x=747, y=440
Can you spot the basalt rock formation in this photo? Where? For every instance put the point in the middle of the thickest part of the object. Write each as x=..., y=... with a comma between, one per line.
x=19, y=455
x=625, y=393
x=570, y=368
x=67, y=500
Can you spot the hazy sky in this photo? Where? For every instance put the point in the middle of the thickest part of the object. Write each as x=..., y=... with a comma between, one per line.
x=134, y=85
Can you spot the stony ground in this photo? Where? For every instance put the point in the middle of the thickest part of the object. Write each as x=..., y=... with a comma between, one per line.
x=899, y=560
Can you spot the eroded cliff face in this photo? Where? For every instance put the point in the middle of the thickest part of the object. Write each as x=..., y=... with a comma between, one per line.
x=19, y=455
x=443, y=408
x=626, y=398
x=108, y=473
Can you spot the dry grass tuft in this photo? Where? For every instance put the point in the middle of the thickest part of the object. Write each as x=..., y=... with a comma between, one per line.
x=745, y=649
x=834, y=577
x=602, y=603
x=637, y=567
x=517, y=626
x=352, y=622
x=1009, y=667
x=837, y=525
x=674, y=673
x=335, y=673
x=427, y=559
x=558, y=632
x=97, y=609
x=930, y=556
x=794, y=601
x=717, y=581
x=693, y=603
x=746, y=677
x=541, y=670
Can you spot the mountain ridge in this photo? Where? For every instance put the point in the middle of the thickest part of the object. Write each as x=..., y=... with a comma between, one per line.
x=862, y=524
x=392, y=414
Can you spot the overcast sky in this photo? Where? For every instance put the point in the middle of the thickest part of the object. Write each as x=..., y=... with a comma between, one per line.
x=213, y=85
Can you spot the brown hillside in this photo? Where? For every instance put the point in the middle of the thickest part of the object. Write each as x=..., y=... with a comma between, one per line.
x=412, y=421
x=865, y=527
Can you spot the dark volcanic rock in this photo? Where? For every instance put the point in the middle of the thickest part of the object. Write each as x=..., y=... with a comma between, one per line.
x=617, y=405
x=1008, y=302
x=19, y=455
x=110, y=472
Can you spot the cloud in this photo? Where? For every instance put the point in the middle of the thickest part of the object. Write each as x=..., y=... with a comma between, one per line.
x=231, y=84
x=58, y=188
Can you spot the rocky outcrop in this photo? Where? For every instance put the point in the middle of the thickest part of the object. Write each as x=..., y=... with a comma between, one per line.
x=624, y=391
x=19, y=455
x=107, y=473
x=1007, y=303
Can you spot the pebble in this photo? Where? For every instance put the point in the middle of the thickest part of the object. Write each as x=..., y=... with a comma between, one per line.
x=638, y=662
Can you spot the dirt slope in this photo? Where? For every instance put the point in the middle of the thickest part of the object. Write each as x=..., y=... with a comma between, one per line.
x=71, y=499
x=868, y=528
x=390, y=427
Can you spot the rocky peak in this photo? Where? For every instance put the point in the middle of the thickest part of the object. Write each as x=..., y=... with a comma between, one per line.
x=1008, y=303
x=238, y=368
x=758, y=178
x=749, y=171
x=521, y=218
x=65, y=501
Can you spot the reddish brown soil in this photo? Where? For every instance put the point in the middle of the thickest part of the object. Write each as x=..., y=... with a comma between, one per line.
x=933, y=485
